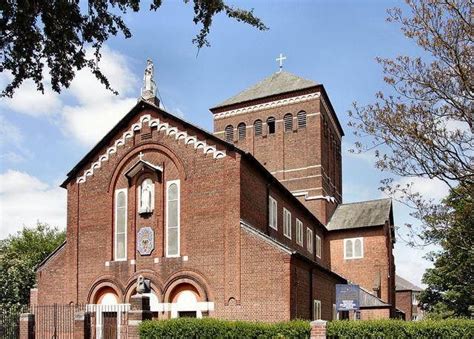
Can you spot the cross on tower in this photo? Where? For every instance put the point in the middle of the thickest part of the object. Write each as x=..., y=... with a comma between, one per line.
x=280, y=60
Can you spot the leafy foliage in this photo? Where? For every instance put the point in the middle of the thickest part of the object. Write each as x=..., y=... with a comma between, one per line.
x=54, y=34
x=215, y=328
x=424, y=126
x=426, y=329
x=19, y=256
x=451, y=280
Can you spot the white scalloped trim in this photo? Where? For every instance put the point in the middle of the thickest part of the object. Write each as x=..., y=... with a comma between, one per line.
x=170, y=131
x=266, y=105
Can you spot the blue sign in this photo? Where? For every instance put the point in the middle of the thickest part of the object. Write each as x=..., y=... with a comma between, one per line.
x=347, y=297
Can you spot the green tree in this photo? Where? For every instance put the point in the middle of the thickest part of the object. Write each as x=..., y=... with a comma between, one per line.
x=19, y=256
x=422, y=126
x=54, y=33
x=450, y=282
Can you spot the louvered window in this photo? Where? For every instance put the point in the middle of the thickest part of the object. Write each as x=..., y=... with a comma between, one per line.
x=229, y=133
x=301, y=116
x=257, y=125
x=242, y=129
x=288, y=121
x=271, y=125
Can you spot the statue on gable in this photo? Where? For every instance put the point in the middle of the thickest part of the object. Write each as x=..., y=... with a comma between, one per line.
x=149, y=86
x=146, y=197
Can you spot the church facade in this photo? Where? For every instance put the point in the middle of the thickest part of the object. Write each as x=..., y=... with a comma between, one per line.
x=245, y=223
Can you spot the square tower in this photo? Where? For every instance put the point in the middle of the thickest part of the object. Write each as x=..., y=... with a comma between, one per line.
x=289, y=125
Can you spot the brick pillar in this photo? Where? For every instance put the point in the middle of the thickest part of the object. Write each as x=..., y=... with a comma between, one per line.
x=82, y=325
x=27, y=326
x=318, y=329
x=139, y=311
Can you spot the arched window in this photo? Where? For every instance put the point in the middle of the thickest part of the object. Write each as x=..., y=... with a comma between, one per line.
x=288, y=122
x=349, y=253
x=257, y=125
x=172, y=218
x=242, y=129
x=120, y=232
x=271, y=125
x=301, y=117
x=229, y=133
x=358, y=248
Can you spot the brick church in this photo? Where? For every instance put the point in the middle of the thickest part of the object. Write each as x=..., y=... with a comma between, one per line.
x=245, y=223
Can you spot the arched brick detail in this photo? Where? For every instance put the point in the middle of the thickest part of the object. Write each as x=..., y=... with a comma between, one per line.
x=187, y=277
x=156, y=284
x=103, y=282
x=157, y=146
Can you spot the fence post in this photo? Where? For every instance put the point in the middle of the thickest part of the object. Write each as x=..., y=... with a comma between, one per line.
x=318, y=329
x=82, y=325
x=139, y=311
x=27, y=326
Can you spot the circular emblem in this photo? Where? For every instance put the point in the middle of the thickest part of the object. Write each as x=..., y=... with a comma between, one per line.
x=145, y=241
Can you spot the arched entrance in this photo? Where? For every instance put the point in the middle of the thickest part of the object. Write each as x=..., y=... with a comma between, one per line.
x=109, y=312
x=185, y=302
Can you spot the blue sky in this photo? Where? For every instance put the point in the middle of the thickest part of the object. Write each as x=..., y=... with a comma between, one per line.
x=331, y=42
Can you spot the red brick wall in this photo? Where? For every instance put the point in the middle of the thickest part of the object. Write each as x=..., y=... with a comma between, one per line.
x=375, y=313
x=404, y=303
x=287, y=155
x=377, y=260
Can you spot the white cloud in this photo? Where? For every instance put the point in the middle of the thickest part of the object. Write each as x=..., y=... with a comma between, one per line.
x=25, y=199
x=28, y=100
x=9, y=133
x=410, y=264
x=429, y=188
x=88, y=124
x=97, y=109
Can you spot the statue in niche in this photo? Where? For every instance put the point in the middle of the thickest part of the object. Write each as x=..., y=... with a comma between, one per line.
x=146, y=197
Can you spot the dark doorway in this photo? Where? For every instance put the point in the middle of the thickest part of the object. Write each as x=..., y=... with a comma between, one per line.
x=187, y=314
x=110, y=325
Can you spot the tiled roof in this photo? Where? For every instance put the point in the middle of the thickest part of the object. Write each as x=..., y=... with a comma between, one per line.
x=403, y=285
x=361, y=214
x=277, y=83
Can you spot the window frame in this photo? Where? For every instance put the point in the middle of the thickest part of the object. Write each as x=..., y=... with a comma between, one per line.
x=117, y=192
x=258, y=123
x=241, y=127
x=286, y=223
x=301, y=116
x=316, y=309
x=272, y=200
x=319, y=246
x=273, y=121
x=309, y=240
x=353, y=248
x=229, y=132
x=168, y=184
x=299, y=232
x=288, y=123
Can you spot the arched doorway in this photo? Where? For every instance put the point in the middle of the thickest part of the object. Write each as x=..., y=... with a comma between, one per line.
x=185, y=302
x=109, y=313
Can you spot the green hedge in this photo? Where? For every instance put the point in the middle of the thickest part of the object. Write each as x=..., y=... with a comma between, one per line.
x=214, y=328
x=454, y=328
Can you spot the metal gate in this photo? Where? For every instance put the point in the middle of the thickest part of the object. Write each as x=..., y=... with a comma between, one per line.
x=55, y=321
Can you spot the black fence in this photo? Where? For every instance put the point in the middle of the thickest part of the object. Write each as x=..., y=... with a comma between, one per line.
x=55, y=321
x=10, y=321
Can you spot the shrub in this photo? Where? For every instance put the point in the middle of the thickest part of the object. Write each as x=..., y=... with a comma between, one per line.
x=452, y=328
x=215, y=328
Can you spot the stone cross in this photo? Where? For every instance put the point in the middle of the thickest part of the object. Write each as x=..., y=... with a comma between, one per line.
x=280, y=60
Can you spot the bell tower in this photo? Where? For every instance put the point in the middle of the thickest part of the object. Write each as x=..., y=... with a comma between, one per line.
x=289, y=125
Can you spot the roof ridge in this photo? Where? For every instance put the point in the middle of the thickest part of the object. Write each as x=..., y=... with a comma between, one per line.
x=363, y=201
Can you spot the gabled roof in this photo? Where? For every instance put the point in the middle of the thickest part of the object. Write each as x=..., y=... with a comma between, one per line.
x=404, y=285
x=361, y=214
x=276, y=83
x=139, y=165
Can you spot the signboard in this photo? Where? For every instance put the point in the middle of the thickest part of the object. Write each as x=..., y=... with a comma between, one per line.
x=347, y=297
